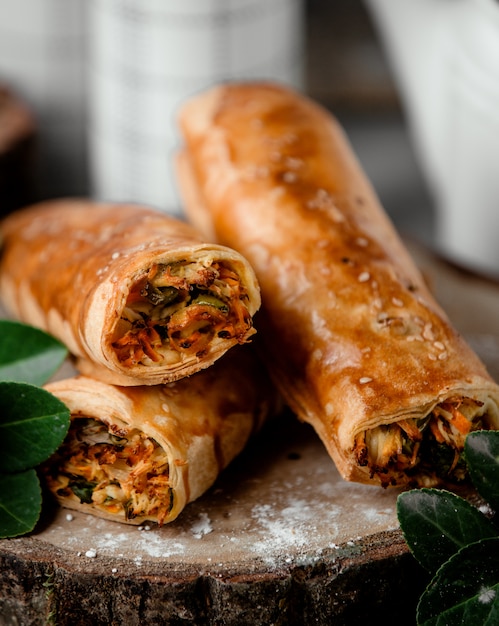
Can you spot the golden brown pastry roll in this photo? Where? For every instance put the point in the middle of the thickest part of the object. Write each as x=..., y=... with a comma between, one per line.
x=142, y=453
x=137, y=296
x=353, y=339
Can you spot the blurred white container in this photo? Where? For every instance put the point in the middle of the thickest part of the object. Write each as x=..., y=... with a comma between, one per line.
x=147, y=56
x=42, y=46
x=445, y=57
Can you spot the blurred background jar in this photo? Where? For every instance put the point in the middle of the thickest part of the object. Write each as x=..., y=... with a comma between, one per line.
x=104, y=79
x=146, y=57
x=445, y=58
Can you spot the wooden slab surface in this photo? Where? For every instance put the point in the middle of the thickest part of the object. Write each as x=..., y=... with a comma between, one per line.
x=280, y=538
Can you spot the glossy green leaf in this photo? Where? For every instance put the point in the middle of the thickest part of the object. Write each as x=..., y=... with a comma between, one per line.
x=482, y=456
x=33, y=424
x=465, y=589
x=28, y=354
x=436, y=523
x=20, y=503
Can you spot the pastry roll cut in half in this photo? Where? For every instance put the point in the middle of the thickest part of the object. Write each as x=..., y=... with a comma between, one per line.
x=142, y=453
x=138, y=296
x=353, y=339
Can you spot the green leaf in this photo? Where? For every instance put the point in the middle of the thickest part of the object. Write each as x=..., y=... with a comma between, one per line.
x=481, y=450
x=33, y=424
x=436, y=523
x=465, y=590
x=28, y=354
x=20, y=503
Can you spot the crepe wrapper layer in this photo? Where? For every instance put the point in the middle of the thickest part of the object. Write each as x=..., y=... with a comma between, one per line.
x=102, y=277
x=351, y=335
x=198, y=425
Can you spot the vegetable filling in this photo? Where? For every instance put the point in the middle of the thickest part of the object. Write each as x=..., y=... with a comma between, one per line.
x=431, y=446
x=179, y=309
x=125, y=476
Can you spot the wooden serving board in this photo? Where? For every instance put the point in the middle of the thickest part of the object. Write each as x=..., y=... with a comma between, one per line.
x=280, y=539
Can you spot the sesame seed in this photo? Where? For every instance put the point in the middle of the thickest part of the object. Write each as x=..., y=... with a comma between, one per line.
x=317, y=354
x=364, y=380
x=432, y=357
x=321, y=200
x=69, y=517
x=337, y=215
x=362, y=242
x=428, y=333
x=288, y=138
x=255, y=172
x=439, y=345
x=397, y=302
x=91, y=554
x=293, y=162
x=289, y=177
x=363, y=277
x=442, y=356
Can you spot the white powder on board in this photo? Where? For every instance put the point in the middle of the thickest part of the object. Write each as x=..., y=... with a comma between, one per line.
x=373, y=515
x=282, y=531
x=202, y=526
x=294, y=520
x=148, y=544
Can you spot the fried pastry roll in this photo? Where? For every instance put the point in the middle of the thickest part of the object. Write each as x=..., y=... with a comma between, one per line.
x=356, y=343
x=136, y=295
x=143, y=453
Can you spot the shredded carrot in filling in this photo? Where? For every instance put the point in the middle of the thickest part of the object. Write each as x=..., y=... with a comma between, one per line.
x=433, y=444
x=126, y=476
x=181, y=308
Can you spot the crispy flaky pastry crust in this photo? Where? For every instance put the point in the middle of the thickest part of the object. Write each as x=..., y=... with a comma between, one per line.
x=136, y=295
x=353, y=339
x=143, y=453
